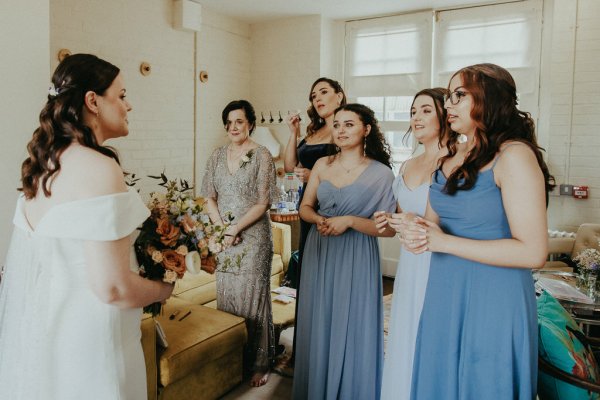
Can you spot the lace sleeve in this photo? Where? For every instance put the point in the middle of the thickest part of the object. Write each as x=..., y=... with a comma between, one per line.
x=208, y=190
x=265, y=182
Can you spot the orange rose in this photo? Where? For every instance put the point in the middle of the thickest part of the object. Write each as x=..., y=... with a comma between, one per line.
x=174, y=262
x=167, y=231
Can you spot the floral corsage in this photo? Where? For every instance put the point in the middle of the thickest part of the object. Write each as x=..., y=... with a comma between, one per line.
x=246, y=158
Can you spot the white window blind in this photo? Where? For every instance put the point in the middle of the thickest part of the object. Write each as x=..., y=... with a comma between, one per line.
x=388, y=56
x=387, y=61
x=505, y=34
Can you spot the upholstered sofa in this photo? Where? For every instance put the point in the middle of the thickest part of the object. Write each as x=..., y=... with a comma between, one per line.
x=561, y=250
x=203, y=359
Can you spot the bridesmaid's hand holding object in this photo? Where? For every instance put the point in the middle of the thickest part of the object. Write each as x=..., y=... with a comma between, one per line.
x=302, y=174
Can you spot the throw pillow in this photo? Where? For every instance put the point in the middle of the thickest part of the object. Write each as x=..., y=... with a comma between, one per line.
x=560, y=345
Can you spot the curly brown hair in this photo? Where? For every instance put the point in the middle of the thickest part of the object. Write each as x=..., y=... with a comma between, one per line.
x=497, y=120
x=316, y=122
x=61, y=120
x=376, y=147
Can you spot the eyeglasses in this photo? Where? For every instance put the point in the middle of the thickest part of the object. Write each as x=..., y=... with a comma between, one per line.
x=455, y=97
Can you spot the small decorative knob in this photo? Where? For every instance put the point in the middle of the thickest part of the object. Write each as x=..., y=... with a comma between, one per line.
x=62, y=54
x=203, y=76
x=145, y=68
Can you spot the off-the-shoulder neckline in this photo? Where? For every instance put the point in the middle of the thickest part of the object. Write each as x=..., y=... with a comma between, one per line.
x=69, y=203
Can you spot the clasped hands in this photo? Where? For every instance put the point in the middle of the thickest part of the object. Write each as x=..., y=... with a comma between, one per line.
x=232, y=236
x=417, y=234
x=333, y=226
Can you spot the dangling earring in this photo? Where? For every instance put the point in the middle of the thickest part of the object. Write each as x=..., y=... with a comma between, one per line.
x=461, y=138
x=365, y=147
x=321, y=120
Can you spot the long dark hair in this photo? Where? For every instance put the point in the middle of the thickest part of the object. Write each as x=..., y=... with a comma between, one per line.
x=61, y=119
x=497, y=120
x=316, y=122
x=437, y=94
x=376, y=147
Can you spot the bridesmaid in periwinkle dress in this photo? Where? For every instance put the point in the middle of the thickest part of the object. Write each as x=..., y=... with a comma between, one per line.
x=477, y=337
x=70, y=300
x=340, y=318
x=240, y=181
x=325, y=96
x=411, y=188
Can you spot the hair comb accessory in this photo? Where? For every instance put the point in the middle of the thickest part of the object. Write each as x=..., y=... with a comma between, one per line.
x=52, y=91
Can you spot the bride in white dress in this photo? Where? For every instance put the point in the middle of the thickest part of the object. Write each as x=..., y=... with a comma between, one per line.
x=70, y=305
x=411, y=189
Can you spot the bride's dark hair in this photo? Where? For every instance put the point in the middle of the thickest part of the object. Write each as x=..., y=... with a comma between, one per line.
x=61, y=120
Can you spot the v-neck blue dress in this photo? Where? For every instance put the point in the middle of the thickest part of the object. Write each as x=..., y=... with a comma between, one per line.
x=339, y=323
x=477, y=337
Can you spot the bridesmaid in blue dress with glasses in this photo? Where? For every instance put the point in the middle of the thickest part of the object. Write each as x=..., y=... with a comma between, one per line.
x=486, y=228
x=325, y=96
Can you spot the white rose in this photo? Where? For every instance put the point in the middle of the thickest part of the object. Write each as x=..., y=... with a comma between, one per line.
x=170, y=276
x=182, y=250
x=157, y=256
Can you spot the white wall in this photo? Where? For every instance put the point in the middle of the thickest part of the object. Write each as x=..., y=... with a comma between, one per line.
x=223, y=50
x=571, y=102
x=286, y=59
x=126, y=34
x=174, y=114
x=24, y=77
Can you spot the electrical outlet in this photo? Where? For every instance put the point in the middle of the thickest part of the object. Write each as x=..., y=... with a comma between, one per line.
x=566, y=190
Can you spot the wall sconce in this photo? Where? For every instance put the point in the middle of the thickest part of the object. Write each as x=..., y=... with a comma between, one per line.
x=145, y=68
x=62, y=54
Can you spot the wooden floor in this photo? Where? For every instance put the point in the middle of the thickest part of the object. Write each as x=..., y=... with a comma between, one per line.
x=279, y=387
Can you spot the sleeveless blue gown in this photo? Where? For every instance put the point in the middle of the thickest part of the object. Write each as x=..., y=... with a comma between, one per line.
x=409, y=291
x=477, y=336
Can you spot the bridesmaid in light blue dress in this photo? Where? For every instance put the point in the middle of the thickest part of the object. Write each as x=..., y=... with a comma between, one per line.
x=340, y=313
x=411, y=188
x=477, y=337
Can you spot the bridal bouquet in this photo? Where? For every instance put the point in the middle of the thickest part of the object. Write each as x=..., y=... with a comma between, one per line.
x=177, y=237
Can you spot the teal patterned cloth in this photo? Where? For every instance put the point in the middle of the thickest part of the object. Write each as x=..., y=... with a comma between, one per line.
x=559, y=344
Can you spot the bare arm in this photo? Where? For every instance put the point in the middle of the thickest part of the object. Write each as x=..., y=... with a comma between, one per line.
x=213, y=211
x=107, y=262
x=290, y=160
x=523, y=194
x=253, y=214
x=338, y=225
x=113, y=282
x=309, y=200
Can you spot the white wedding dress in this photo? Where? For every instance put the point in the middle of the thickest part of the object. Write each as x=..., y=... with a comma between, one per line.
x=57, y=339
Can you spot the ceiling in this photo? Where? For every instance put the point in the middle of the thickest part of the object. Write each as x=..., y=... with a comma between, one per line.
x=253, y=11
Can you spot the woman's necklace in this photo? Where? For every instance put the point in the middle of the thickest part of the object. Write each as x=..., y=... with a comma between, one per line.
x=233, y=156
x=352, y=168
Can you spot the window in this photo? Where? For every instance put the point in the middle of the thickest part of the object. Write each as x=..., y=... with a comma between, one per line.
x=389, y=59
x=509, y=35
